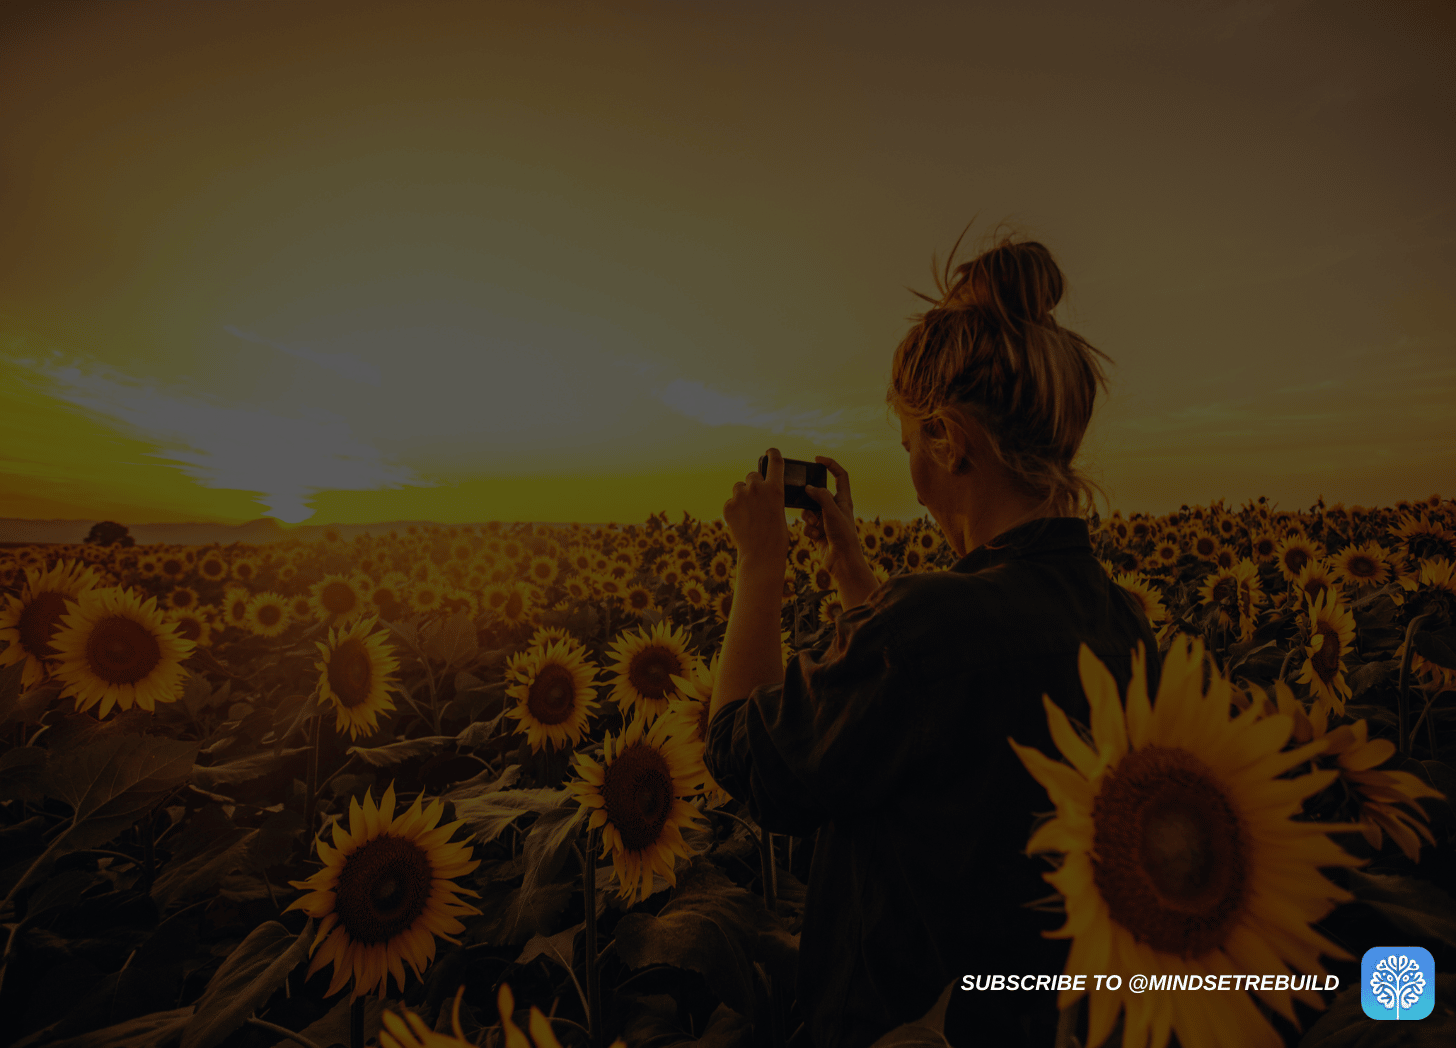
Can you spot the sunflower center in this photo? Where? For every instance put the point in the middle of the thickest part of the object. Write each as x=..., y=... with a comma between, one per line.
x=212, y=568
x=172, y=566
x=1205, y=546
x=1296, y=559
x=350, y=673
x=637, y=789
x=1363, y=566
x=553, y=694
x=1171, y=852
x=189, y=628
x=383, y=889
x=270, y=614
x=338, y=598
x=39, y=622
x=1327, y=659
x=651, y=672
x=121, y=651
x=639, y=599
x=181, y=598
x=1224, y=589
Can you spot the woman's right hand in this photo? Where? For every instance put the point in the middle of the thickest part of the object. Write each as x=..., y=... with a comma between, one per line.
x=832, y=529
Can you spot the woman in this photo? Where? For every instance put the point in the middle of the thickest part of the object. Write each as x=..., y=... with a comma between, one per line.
x=890, y=742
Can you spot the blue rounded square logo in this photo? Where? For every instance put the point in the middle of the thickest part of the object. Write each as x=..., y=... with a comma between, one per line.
x=1397, y=982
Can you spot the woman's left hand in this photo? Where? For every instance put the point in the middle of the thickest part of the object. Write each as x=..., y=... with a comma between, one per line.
x=755, y=515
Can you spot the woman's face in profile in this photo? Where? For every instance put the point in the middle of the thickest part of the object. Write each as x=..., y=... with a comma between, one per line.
x=927, y=476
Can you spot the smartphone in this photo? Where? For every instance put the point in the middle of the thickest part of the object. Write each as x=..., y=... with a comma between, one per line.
x=797, y=473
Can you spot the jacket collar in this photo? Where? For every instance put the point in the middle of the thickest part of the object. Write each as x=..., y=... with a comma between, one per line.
x=1036, y=536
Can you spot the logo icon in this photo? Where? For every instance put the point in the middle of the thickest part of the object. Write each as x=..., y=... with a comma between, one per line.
x=1397, y=982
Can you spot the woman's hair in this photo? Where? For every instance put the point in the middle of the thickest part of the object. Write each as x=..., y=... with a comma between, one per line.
x=990, y=353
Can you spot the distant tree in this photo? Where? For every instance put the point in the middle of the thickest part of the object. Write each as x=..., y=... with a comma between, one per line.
x=110, y=533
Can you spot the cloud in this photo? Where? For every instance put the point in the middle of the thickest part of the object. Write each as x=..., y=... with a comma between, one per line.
x=350, y=367
x=713, y=408
x=284, y=458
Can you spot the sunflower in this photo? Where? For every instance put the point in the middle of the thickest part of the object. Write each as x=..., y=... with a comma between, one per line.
x=172, y=565
x=30, y=622
x=1332, y=633
x=182, y=597
x=1438, y=573
x=720, y=568
x=1367, y=565
x=301, y=608
x=518, y=600
x=1314, y=580
x=638, y=600
x=426, y=596
x=1180, y=854
x=892, y=531
x=640, y=795
x=1148, y=595
x=356, y=676
x=117, y=650
x=1263, y=546
x=646, y=663
x=1295, y=553
x=191, y=624
x=235, y=606
x=695, y=594
x=691, y=713
x=542, y=570
x=245, y=569
x=553, y=688
x=1422, y=537
x=722, y=604
x=267, y=614
x=344, y=597
x=385, y=892
x=1383, y=796
x=212, y=566
x=1203, y=545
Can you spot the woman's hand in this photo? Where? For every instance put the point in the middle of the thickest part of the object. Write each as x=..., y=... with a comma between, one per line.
x=832, y=529
x=755, y=516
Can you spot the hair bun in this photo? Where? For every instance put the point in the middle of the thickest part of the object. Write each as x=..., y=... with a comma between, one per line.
x=1013, y=284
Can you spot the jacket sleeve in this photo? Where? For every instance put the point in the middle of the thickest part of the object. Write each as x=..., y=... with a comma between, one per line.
x=823, y=744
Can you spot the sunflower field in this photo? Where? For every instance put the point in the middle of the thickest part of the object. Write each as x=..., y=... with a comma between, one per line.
x=446, y=786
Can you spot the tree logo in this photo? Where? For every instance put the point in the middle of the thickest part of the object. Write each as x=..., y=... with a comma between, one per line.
x=1397, y=982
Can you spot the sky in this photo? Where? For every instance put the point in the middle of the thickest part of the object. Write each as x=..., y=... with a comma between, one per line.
x=359, y=262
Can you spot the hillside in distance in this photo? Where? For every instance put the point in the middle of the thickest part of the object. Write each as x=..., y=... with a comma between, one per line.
x=258, y=532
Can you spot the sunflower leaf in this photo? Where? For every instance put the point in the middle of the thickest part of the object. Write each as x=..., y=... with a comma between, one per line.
x=246, y=979
x=112, y=781
x=454, y=643
x=713, y=927
x=147, y=1031
x=244, y=769
x=544, y=853
x=1416, y=907
x=490, y=813
x=403, y=750
x=1437, y=647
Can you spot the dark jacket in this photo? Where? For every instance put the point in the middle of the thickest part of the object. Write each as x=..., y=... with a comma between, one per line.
x=890, y=740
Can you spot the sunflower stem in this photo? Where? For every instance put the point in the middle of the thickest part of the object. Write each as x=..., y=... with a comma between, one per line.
x=589, y=897
x=282, y=1031
x=356, y=1023
x=1403, y=738
x=313, y=763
